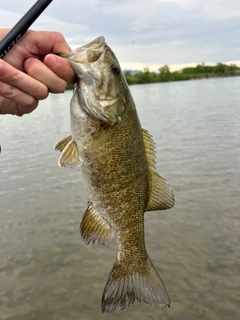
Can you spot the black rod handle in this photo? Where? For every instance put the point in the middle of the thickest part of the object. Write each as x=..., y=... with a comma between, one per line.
x=16, y=33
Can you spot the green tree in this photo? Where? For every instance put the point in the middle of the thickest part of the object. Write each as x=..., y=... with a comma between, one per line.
x=164, y=73
x=220, y=68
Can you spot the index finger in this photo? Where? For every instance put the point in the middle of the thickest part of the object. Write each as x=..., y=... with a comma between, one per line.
x=61, y=67
x=36, y=42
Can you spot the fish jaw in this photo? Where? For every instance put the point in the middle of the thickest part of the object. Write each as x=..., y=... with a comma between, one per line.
x=82, y=57
x=99, y=81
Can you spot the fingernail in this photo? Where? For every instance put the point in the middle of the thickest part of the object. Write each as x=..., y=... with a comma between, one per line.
x=51, y=61
x=26, y=62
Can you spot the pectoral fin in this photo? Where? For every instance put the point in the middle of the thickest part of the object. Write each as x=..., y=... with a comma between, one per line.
x=61, y=144
x=160, y=196
x=69, y=156
x=99, y=138
x=94, y=228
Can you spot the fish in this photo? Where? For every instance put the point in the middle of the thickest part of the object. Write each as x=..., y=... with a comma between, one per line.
x=117, y=158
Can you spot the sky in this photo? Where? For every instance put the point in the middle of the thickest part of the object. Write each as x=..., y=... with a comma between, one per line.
x=143, y=33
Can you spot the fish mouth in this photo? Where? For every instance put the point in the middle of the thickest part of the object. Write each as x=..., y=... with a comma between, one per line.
x=91, y=64
x=95, y=44
x=87, y=53
x=83, y=58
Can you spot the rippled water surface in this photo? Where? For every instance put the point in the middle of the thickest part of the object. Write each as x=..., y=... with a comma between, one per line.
x=47, y=272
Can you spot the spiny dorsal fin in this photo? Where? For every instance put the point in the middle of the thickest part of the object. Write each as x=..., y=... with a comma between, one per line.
x=160, y=195
x=149, y=145
x=69, y=156
x=94, y=228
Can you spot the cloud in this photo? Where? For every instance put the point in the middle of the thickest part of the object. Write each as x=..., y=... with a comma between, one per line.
x=144, y=33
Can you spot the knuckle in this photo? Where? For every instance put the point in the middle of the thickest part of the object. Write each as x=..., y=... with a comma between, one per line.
x=59, y=86
x=7, y=106
x=30, y=104
x=32, y=67
x=62, y=87
x=19, y=111
x=41, y=91
x=8, y=73
x=6, y=90
x=58, y=35
x=14, y=78
x=2, y=69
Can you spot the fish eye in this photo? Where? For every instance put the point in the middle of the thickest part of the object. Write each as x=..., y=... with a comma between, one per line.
x=115, y=69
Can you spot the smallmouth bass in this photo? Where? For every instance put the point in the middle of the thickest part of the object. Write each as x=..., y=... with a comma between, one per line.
x=117, y=158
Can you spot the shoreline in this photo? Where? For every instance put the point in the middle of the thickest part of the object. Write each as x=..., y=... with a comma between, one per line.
x=200, y=77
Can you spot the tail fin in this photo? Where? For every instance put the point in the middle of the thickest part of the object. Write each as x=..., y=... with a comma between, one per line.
x=124, y=286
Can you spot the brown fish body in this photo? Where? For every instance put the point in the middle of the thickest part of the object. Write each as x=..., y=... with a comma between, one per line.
x=117, y=160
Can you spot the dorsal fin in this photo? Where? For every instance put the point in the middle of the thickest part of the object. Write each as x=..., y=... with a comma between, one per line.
x=160, y=195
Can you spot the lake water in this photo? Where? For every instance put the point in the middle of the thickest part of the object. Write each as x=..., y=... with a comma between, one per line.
x=47, y=272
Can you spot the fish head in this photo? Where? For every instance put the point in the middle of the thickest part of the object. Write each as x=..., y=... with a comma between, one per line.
x=101, y=84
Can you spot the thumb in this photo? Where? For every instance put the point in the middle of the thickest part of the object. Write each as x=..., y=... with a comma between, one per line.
x=60, y=67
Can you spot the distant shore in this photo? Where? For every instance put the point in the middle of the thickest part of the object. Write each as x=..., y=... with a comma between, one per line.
x=201, y=71
x=164, y=74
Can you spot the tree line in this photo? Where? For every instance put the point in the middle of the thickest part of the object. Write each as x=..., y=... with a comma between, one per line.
x=164, y=74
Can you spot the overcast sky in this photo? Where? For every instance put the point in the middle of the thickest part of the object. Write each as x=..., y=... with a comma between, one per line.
x=143, y=33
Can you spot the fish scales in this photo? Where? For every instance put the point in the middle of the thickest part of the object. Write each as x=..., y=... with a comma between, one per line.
x=117, y=158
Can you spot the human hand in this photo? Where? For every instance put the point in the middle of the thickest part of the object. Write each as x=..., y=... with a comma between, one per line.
x=31, y=70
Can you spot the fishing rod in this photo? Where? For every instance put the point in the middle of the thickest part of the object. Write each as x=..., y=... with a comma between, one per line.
x=16, y=33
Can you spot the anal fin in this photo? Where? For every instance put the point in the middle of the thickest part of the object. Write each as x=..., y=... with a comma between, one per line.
x=94, y=228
